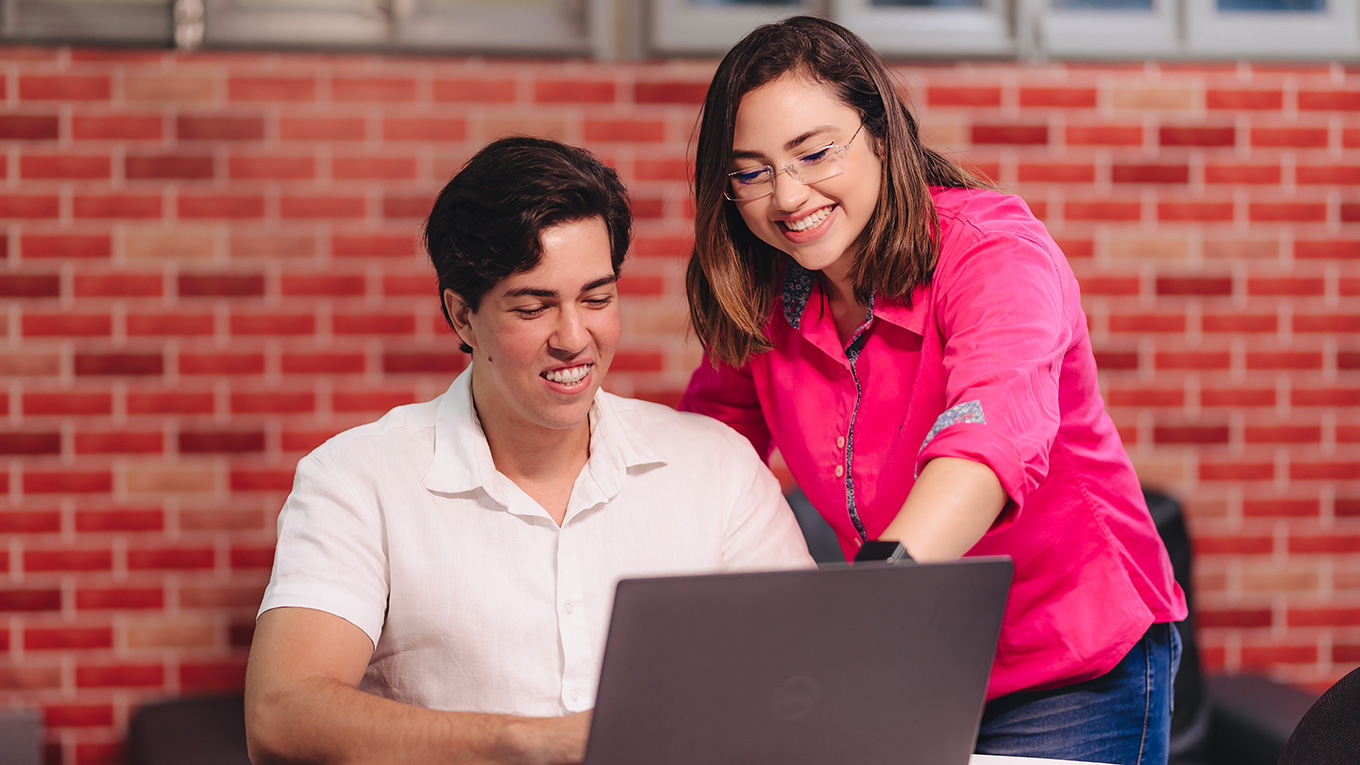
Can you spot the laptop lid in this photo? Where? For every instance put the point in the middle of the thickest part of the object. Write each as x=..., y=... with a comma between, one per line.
x=871, y=663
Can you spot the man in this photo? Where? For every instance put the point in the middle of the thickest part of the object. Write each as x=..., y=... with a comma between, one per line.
x=444, y=576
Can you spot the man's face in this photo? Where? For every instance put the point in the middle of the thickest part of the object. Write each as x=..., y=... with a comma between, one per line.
x=542, y=340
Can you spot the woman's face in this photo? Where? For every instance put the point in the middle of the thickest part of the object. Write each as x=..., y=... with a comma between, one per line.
x=819, y=225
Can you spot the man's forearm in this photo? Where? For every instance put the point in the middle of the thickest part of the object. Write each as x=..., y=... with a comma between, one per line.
x=320, y=719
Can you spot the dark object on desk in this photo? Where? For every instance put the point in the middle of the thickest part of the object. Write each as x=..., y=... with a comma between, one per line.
x=20, y=737
x=1330, y=730
x=204, y=730
x=887, y=552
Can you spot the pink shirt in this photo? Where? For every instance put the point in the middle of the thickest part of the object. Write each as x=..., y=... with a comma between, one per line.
x=990, y=362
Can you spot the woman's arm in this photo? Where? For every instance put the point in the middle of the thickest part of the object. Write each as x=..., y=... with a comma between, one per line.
x=303, y=705
x=951, y=506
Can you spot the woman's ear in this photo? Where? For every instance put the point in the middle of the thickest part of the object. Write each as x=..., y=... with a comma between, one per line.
x=459, y=314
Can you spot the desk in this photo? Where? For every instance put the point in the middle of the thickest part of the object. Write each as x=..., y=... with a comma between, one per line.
x=1001, y=760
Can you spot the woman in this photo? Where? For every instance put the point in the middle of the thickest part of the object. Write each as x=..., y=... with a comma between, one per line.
x=913, y=344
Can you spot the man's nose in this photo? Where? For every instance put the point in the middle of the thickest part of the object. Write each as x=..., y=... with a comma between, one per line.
x=570, y=333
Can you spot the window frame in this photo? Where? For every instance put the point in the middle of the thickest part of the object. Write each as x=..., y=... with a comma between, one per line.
x=55, y=21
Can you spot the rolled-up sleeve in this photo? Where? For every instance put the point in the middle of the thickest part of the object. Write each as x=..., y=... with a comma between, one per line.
x=728, y=394
x=1002, y=313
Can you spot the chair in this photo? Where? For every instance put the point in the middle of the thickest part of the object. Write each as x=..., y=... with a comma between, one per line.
x=203, y=730
x=20, y=737
x=1330, y=730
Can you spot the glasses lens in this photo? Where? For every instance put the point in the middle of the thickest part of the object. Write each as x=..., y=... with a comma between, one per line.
x=820, y=165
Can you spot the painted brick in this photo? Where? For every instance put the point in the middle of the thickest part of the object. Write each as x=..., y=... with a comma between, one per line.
x=234, y=285
x=220, y=206
x=384, y=324
x=323, y=207
x=118, y=127
x=373, y=89
x=120, y=519
x=66, y=403
x=323, y=363
x=1020, y=135
x=1289, y=137
x=118, y=364
x=116, y=206
x=29, y=600
x=574, y=91
x=479, y=91
x=34, y=521
x=30, y=285
x=272, y=167
x=1204, y=136
x=1238, y=173
x=164, y=167
x=65, y=166
x=67, y=559
x=376, y=168
x=121, y=441
x=29, y=127
x=64, y=87
x=169, y=402
x=29, y=206
x=1244, y=99
x=322, y=129
x=268, y=88
x=219, y=127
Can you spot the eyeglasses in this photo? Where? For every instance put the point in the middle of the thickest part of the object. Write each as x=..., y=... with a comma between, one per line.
x=816, y=165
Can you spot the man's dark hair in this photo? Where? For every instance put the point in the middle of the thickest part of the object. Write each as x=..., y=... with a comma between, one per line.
x=487, y=222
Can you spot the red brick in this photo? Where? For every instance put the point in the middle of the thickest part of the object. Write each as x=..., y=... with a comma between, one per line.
x=66, y=325
x=1285, y=285
x=686, y=92
x=221, y=441
x=220, y=206
x=326, y=285
x=1233, y=617
x=29, y=127
x=1282, y=434
x=65, y=166
x=121, y=127
x=1237, y=174
x=1058, y=97
x=68, y=482
x=423, y=363
x=1330, y=397
x=273, y=324
x=30, y=443
x=1341, y=470
x=430, y=129
x=116, y=206
x=1203, y=360
x=374, y=401
x=78, y=715
x=212, y=676
x=29, y=522
x=221, y=363
x=244, y=480
x=322, y=207
x=1150, y=173
x=120, y=364
x=247, y=557
x=66, y=246
x=265, y=88
x=332, y=128
x=661, y=169
x=625, y=130
x=1197, y=136
x=1350, y=212
x=1327, y=544
x=1237, y=398
x=1190, y=434
x=1056, y=172
x=1112, y=360
x=1288, y=212
x=1279, y=508
x=497, y=91
x=121, y=441
x=170, y=558
x=382, y=324
x=1147, y=322
x=575, y=91
x=1102, y=209
x=116, y=285
x=170, y=402
x=219, y=127
x=120, y=519
x=30, y=600
x=323, y=363
x=61, y=560
x=275, y=402
x=63, y=87
x=119, y=675
x=1327, y=249
x=1327, y=175
x=30, y=285
x=178, y=324
x=1268, y=657
x=963, y=95
x=67, y=403
x=1289, y=137
x=289, y=167
x=165, y=167
x=1019, y=135
x=395, y=285
x=373, y=89
x=1323, y=617
x=207, y=284
x=1145, y=397
x=1200, y=286
x=1329, y=100
x=1199, y=211
x=373, y=245
x=377, y=168
x=1244, y=99
x=1233, y=545
x=1215, y=470
x=67, y=638
x=29, y=206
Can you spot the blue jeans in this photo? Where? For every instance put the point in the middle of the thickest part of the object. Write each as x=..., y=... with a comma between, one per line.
x=1122, y=717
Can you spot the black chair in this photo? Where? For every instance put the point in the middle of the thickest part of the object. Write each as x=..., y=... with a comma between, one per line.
x=203, y=730
x=20, y=737
x=1330, y=730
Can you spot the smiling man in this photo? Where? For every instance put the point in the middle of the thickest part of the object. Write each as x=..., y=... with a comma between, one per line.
x=444, y=576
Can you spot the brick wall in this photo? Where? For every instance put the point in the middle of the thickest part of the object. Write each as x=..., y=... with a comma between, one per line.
x=208, y=266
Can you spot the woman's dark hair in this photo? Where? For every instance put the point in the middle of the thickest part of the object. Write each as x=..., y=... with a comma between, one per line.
x=732, y=276
x=487, y=222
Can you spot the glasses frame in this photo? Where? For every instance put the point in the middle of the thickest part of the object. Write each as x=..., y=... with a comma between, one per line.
x=832, y=147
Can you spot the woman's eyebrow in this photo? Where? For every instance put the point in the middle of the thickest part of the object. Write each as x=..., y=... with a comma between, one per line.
x=789, y=146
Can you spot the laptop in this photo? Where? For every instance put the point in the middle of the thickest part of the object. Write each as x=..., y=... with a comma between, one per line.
x=874, y=663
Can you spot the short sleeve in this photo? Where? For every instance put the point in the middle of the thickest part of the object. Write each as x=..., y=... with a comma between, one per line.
x=1004, y=315
x=728, y=394
x=760, y=530
x=331, y=552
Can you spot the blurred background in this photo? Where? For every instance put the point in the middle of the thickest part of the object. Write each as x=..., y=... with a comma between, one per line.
x=209, y=264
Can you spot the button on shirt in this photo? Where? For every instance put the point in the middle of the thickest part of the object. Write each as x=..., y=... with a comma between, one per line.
x=474, y=598
x=989, y=362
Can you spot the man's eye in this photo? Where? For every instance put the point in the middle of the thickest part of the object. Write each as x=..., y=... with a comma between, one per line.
x=526, y=312
x=600, y=302
x=815, y=157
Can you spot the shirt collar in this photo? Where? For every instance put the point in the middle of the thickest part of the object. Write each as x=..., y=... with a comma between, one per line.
x=462, y=457
x=799, y=284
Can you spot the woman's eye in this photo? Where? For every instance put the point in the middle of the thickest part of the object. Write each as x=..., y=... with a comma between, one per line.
x=813, y=158
x=749, y=177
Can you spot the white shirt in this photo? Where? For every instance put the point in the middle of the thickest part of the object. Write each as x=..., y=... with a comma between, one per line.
x=474, y=598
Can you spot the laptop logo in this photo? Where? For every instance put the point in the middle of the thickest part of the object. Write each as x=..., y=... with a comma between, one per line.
x=795, y=698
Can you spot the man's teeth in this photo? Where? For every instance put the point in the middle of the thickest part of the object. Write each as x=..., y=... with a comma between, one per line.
x=809, y=221
x=569, y=376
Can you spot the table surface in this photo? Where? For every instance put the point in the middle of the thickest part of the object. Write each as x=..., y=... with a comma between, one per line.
x=993, y=759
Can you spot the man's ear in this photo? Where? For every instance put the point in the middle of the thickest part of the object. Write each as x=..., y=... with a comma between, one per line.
x=459, y=314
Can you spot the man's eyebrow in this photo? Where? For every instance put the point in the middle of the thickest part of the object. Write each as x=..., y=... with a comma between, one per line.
x=790, y=146
x=550, y=294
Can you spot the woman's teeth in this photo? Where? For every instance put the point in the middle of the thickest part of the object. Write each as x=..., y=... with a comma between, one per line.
x=569, y=376
x=806, y=223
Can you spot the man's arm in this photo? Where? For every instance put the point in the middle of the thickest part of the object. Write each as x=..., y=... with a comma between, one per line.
x=303, y=705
